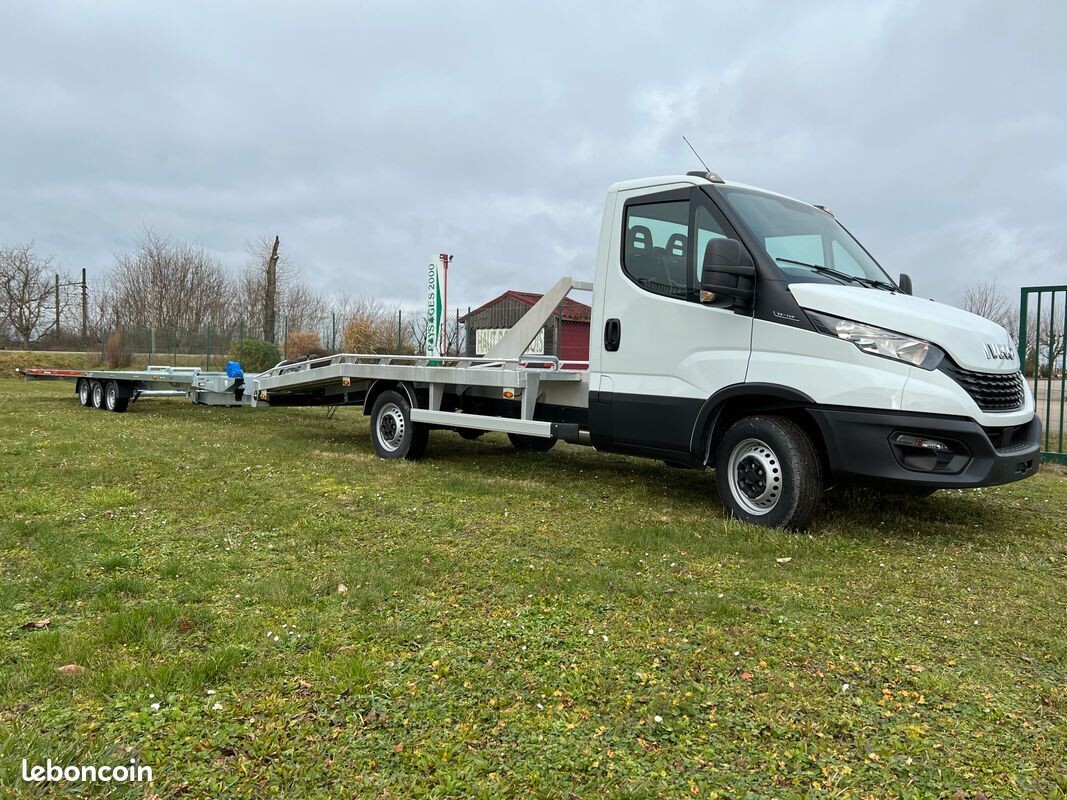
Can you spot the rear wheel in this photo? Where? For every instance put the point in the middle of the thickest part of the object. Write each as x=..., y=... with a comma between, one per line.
x=531, y=444
x=392, y=432
x=85, y=392
x=767, y=473
x=98, y=394
x=113, y=399
x=470, y=434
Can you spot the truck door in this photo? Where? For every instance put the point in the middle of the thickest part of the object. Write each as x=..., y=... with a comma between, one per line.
x=662, y=353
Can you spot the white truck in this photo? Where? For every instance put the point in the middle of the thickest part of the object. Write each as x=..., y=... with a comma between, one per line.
x=732, y=328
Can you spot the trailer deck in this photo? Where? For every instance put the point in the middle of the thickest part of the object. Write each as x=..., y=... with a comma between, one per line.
x=443, y=391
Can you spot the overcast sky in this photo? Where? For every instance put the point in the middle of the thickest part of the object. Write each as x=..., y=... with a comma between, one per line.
x=370, y=136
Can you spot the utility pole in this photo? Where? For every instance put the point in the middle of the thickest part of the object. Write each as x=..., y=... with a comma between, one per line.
x=446, y=259
x=57, y=305
x=270, y=305
x=85, y=308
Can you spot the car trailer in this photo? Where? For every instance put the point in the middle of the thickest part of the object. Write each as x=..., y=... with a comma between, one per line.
x=529, y=397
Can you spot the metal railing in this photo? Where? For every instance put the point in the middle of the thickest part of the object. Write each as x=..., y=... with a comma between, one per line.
x=1043, y=359
x=551, y=363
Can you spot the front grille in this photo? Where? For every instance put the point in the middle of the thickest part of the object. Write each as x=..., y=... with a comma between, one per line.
x=992, y=391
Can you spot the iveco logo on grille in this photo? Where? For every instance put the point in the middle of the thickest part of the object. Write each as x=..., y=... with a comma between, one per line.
x=999, y=351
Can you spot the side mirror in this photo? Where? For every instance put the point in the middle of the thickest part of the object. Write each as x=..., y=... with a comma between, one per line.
x=727, y=275
x=905, y=283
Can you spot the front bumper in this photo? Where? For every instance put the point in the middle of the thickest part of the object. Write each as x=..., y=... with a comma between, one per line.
x=861, y=446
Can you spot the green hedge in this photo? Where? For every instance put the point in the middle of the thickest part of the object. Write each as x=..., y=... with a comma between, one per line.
x=254, y=355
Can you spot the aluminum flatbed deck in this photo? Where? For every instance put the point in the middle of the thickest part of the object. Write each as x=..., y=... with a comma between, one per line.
x=526, y=395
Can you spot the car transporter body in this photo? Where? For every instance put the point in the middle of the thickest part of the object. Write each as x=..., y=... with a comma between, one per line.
x=732, y=328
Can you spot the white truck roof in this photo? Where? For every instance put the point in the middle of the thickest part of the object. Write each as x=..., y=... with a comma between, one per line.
x=695, y=180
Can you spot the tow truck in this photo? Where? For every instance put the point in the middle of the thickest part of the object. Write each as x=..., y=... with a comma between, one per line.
x=733, y=328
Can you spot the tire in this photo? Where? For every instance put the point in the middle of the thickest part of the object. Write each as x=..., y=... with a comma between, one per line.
x=470, y=434
x=85, y=392
x=767, y=473
x=392, y=432
x=531, y=444
x=113, y=399
x=98, y=394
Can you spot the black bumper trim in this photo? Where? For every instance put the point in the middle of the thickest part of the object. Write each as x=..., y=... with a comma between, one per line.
x=858, y=448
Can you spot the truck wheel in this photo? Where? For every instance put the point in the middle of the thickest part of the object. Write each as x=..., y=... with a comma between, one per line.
x=531, y=444
x=98, y=394
x=392, y=432
x=767, y=473
x=112, y=399
x=470, y=434
x=85, y=392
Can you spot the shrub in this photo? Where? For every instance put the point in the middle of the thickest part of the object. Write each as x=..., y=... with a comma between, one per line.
x=369, y=333
x=304, y=343
x=254, y=355
x=118, y=357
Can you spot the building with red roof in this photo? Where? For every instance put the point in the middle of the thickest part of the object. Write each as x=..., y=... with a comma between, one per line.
x=565, y=335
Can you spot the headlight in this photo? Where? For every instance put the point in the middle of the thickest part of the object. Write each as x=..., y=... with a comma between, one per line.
x=879, y=341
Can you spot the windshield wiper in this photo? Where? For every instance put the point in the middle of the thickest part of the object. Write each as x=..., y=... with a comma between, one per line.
x=871, y=282
x=827, y=270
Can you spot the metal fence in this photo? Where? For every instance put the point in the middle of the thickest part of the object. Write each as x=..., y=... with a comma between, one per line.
x=1042, y=352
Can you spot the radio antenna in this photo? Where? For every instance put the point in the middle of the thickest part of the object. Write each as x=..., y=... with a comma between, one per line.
x=696, y=153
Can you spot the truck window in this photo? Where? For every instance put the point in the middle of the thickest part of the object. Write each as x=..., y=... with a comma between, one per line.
x=655, y=250
x=844, y=261
x=807, y=248
x=708, y=227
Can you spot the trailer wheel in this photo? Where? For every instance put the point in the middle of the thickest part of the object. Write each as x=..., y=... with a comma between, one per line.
x=531, y=444
x=470, y=434
x=98, y=394
x=392, y=432
x=85, y=392
x=768, y=473
x=113, y=401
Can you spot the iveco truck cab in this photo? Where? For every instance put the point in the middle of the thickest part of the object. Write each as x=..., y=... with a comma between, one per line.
x=740, y=329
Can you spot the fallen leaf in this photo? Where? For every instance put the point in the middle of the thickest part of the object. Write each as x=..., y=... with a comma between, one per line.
x=785, y=560
x=342, y=589
x=36, y=624
x=399, y=746
x=185, y=626
x=71, y=669
x=915, y=667
x=746, y=676
x=303, y=684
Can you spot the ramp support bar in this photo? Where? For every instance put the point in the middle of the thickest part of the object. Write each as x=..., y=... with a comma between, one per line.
x=451, y=419
x=518, y=337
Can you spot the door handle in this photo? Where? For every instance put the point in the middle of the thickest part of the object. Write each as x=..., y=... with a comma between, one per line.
x=612, y=334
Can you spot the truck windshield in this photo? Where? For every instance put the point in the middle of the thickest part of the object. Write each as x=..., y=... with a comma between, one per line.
x=805, y=242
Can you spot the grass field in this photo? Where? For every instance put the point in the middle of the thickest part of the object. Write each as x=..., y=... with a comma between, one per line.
x=263, y=608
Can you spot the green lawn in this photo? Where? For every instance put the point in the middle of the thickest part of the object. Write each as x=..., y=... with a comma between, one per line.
x=560, y=625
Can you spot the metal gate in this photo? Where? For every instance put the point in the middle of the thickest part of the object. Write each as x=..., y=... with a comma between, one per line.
x=1043, y=355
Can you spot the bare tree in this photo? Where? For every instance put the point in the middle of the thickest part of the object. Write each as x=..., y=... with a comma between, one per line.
x=295, y=303
x=27, y=292
x=417, y=327
x=987, y=300
x=169, y=285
